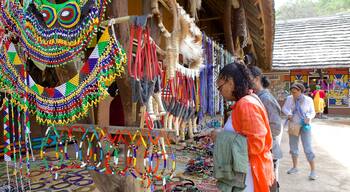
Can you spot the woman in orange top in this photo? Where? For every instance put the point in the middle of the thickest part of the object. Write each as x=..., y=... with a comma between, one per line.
x=249, y=119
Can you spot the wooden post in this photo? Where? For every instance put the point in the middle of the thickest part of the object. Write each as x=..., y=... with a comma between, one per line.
x=228, y=26
x=109, y=183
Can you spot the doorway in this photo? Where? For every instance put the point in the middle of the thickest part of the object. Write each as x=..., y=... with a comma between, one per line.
x=316, y=80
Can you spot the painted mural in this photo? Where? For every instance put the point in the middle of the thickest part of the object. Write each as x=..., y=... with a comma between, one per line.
x=338, y=95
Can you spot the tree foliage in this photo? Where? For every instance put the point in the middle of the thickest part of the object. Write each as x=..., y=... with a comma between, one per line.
x=311, y=8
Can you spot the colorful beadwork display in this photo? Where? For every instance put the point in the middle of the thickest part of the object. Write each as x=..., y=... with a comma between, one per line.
x=7, y=141
x=299, y=78
x=54, y=34
x=99, y=150
x=338, y=93
x=70, y=101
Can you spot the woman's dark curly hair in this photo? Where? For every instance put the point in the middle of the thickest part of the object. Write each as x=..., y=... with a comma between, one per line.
x=241, y=77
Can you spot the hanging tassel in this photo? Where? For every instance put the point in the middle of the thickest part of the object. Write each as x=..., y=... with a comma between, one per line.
x=190, y=129
x=7, y=141
x=14, y=144
x=149, y=106
x=26, y=127
x=19, y=123
x=194, y=125
x=195, y=6
x=158, y=99
x=182, y=130
x=170, y=122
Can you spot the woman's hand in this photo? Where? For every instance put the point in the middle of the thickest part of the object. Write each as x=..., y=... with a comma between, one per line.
x=214, y=133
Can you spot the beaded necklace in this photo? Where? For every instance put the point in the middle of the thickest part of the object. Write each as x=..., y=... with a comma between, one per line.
x=52, y=45
x=70, y=101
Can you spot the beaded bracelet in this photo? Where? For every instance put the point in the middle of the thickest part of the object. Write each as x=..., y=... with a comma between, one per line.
x=90, y=152
x=51, y=167
x=71, y=138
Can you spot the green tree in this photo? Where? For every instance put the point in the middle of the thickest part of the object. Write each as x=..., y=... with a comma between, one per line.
x=333, y=6
x=311, y=8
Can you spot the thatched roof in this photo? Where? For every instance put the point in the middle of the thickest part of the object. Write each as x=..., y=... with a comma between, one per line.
x=321, y=42
x=260, y=20
x=261, y=23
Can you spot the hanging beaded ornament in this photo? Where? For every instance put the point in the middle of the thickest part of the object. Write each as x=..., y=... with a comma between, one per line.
x=70, y=101
x=54, y=34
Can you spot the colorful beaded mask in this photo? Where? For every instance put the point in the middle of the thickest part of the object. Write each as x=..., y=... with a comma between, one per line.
x=68, y=13
x=53, y=34
x=69, y=101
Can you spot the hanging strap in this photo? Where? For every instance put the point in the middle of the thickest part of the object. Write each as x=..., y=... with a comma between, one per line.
x=147, y=47
x=138, y=59
x=156, y=64
x=131, y=42
x=148, y=120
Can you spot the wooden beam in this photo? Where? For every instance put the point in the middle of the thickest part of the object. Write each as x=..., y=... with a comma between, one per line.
x=267, y=10
x=257, y=23
x=216, y=34
x=251, y=44
x=228, y=26
x=252, y=9
x=253, y=28
x=256, y=41
x=215, y=6
x=133, y=129
x=118, y=20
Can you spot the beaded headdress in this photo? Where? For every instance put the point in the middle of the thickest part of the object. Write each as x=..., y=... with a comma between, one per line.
x=53, y=34
x=69, y=101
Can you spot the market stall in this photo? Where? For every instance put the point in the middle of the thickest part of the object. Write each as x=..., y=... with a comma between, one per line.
x=62, y=64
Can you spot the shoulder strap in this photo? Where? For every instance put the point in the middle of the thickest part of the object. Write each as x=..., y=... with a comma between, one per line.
x=257, y=98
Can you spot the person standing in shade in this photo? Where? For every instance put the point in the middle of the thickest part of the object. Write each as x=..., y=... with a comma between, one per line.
x=319, y=103
x=249, y=119
x=300, y=111
x=308, y=90
x=261, y=83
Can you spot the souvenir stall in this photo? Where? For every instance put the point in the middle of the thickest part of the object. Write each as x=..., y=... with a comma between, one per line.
x=338, y=88
x=335, y=83
x=171, y=95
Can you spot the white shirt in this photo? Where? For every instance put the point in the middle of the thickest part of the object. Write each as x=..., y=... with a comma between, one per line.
x=307, y=106
x=249, y=179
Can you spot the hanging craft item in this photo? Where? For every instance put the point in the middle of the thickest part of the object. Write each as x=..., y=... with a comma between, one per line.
x=70, y=101
x=184, y=61
x=190, y=41
x=19, y=126
x=171, y=38
x=144, y=70
x=51, y=164
x=180, y=102
x=7, y=141
x=211, y=103
x=54, y=34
